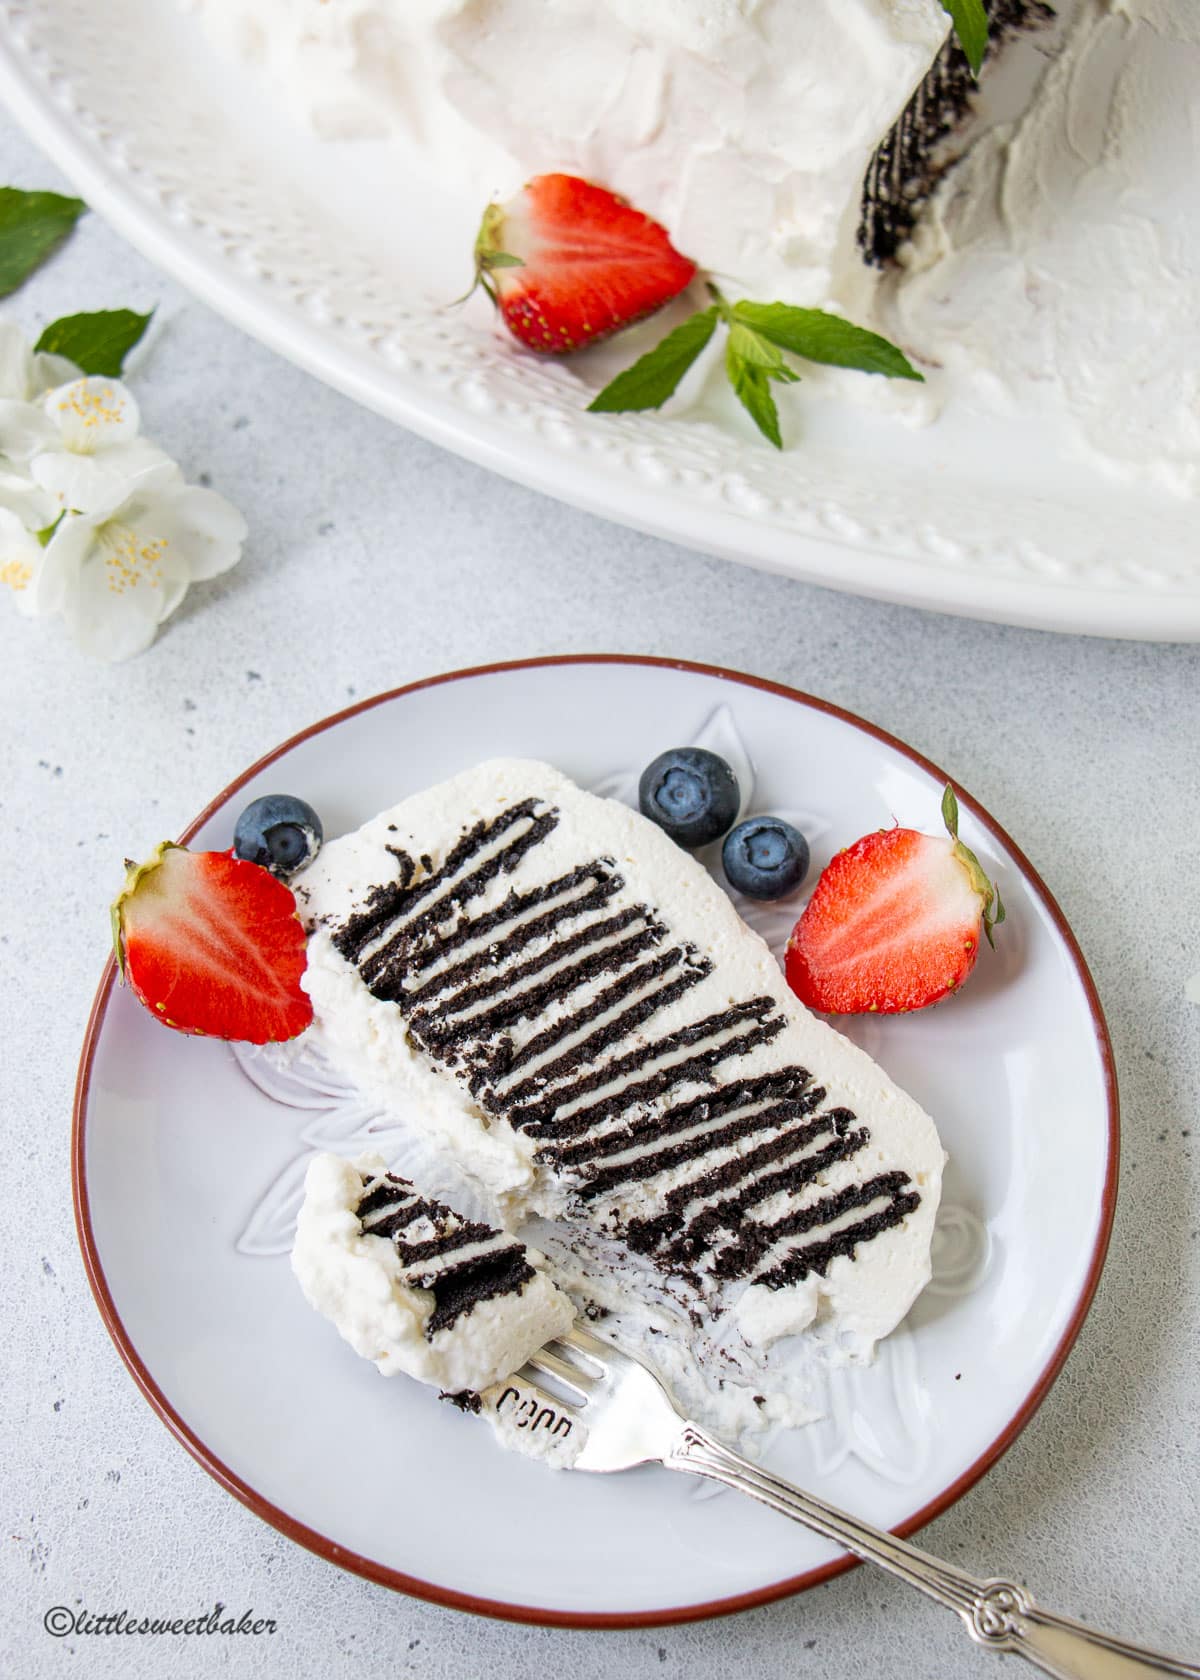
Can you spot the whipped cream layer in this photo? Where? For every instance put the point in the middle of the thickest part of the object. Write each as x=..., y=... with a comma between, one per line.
x=745, y=126
x=414, y=1286
x=585, y=1022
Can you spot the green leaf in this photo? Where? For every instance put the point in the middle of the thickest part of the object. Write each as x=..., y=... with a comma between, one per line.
x=971, y=26
x=820, y=337
x=752, y=387
x=97, y=343
x=32, y=227
x=950, y=812
x=992, y=905
x=654, y=376
x=47, y=531
x=750, y=346
x=503, y=259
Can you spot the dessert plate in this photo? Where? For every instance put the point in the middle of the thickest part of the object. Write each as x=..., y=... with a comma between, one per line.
x=986, y=515
x=187, y=1176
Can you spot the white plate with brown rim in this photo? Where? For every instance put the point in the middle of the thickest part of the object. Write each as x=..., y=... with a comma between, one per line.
x=186, y=1178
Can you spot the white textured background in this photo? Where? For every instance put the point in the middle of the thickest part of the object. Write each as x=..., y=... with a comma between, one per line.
x=375, y=559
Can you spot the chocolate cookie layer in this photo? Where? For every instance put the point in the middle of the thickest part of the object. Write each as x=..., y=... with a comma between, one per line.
x=546, y=1007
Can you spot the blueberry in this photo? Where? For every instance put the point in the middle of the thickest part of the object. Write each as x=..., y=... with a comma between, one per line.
x=280, y=832
x=765, y=857
x=691, y=794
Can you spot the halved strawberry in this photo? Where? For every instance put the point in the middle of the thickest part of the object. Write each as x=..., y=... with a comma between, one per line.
x=568, y=262
x=893, y=923
x=212, y=944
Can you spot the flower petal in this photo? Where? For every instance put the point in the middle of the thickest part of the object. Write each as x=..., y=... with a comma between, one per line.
x=16, y=362
x=92, y=414
x=24, y=429
x=32, y=506
x=62, y=563
x=173, y=582
x=48, y=371
x=107, y=617
x=101, y=482
x=199, y=527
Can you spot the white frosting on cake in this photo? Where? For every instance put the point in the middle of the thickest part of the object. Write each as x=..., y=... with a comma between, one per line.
x=360, y=1282
x=858, y=1298
x=744, y=126
x=1058, y=269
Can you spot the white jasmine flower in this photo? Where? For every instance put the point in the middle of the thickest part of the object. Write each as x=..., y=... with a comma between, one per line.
x=96, y=523
x=79, y=442
x=116, y=572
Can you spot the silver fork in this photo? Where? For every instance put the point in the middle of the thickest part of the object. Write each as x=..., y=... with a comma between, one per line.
x=626, y=1417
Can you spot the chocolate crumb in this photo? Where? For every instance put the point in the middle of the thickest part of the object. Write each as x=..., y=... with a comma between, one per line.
x=466, y=1400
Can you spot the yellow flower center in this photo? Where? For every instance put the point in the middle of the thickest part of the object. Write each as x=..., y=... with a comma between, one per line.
x=130, y=560
x=16, y=574
x=90, y=407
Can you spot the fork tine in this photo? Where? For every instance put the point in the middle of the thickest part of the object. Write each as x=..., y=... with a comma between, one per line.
x=586, y=1346
x=572, y=1376
x=546, y=1398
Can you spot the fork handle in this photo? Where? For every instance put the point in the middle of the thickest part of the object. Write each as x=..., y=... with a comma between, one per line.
x=997, y=1614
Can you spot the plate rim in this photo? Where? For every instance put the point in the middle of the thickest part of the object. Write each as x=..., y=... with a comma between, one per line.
x=874, y=568
x=432, y=1592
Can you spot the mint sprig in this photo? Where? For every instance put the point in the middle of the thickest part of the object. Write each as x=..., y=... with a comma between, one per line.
x=752, y=388
x=820, y=337
x=32, y=227
x=971, y=26
x=759, y=335
x=98, y=342
x=655, y=376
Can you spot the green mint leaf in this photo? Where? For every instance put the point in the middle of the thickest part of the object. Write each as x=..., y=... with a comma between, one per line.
x=96, y=343
x=750, y=346
x=971, y=26
x=654, y=376
x=752, y=387
x=820, y=337
x=32, y=227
